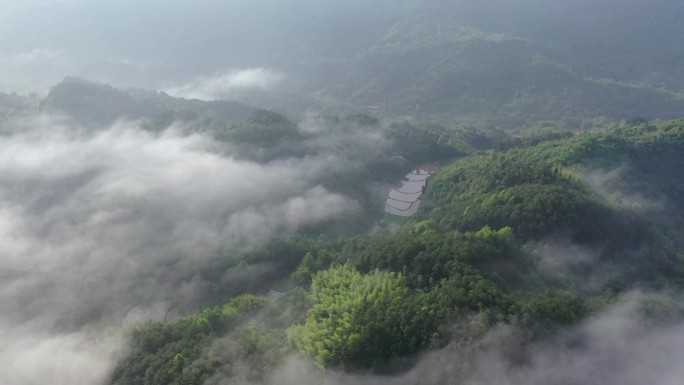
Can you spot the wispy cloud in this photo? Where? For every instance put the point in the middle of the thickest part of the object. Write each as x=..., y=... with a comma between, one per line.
x=229, y=84
x=614, y=186
x=33, y=70
x=617, y=346
x=98, y=229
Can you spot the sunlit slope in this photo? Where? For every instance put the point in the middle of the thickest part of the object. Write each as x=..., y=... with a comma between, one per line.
x=461, y=72
x=617, y=190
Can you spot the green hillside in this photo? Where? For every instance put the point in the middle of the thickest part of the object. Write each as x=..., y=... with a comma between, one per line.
x=259, y=233
x=619, y=188
x=475, y=259
x=426, y=69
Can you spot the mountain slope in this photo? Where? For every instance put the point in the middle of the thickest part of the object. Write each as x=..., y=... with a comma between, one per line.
x=617, y=191
x=96, y=104
x=425, y=68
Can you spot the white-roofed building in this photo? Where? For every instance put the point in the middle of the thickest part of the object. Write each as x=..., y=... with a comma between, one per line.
x=399, y=205
x=417, y=177
x=412, y=210
x=399, y=196
x=409, y=187
x=404, y=200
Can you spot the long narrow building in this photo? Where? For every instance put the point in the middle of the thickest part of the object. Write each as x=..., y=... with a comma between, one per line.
x=405, y=199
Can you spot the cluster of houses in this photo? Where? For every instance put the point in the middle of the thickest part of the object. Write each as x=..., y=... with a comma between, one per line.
x=404, y=199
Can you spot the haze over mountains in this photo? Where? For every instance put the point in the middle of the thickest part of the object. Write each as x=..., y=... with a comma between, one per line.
x=523, y=60
x=166, y=165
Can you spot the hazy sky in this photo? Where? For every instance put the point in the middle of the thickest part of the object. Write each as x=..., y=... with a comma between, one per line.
x=153, y=43
x=167, y=44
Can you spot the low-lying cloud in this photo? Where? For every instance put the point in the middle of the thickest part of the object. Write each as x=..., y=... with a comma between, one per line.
x=229, y=85
x=559, y=258
x=33, y=70
x=613, y=186
x=95, y=228
x=617, y=346
x=31, y=356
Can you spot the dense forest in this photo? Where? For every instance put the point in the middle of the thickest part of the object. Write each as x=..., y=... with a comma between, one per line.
x=480, y=255
x=200, y=235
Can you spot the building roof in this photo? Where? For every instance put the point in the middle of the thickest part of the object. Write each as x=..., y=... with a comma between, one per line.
x=411, y=187
x=412, y=210
x=404, y=199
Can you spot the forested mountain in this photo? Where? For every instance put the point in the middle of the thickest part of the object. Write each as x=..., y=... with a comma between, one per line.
x=91, y=103
x=475, y=61
x=209, y=207
x=530, y=60
x=10, y=103
x=538, y=236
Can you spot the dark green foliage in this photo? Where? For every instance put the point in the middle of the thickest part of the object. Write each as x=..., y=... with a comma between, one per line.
x=373, y=301
x=421, y=143
x=478, y=63
x=362, y=320
x=527, y=97
x=436, y=271
x=166, y=353
x=530, y=189
x=265, y=136
x=468, y=292
x=232, y=273
x=310, y=265
x=595, y=188
x=248, y=354
x=264, y=128
x=489, y=75
x=434, y=277
x=426, y=257
x=552, y=310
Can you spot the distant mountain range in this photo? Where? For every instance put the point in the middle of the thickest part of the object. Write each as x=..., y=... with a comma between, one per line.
x=476, y=62
x=93, y=104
